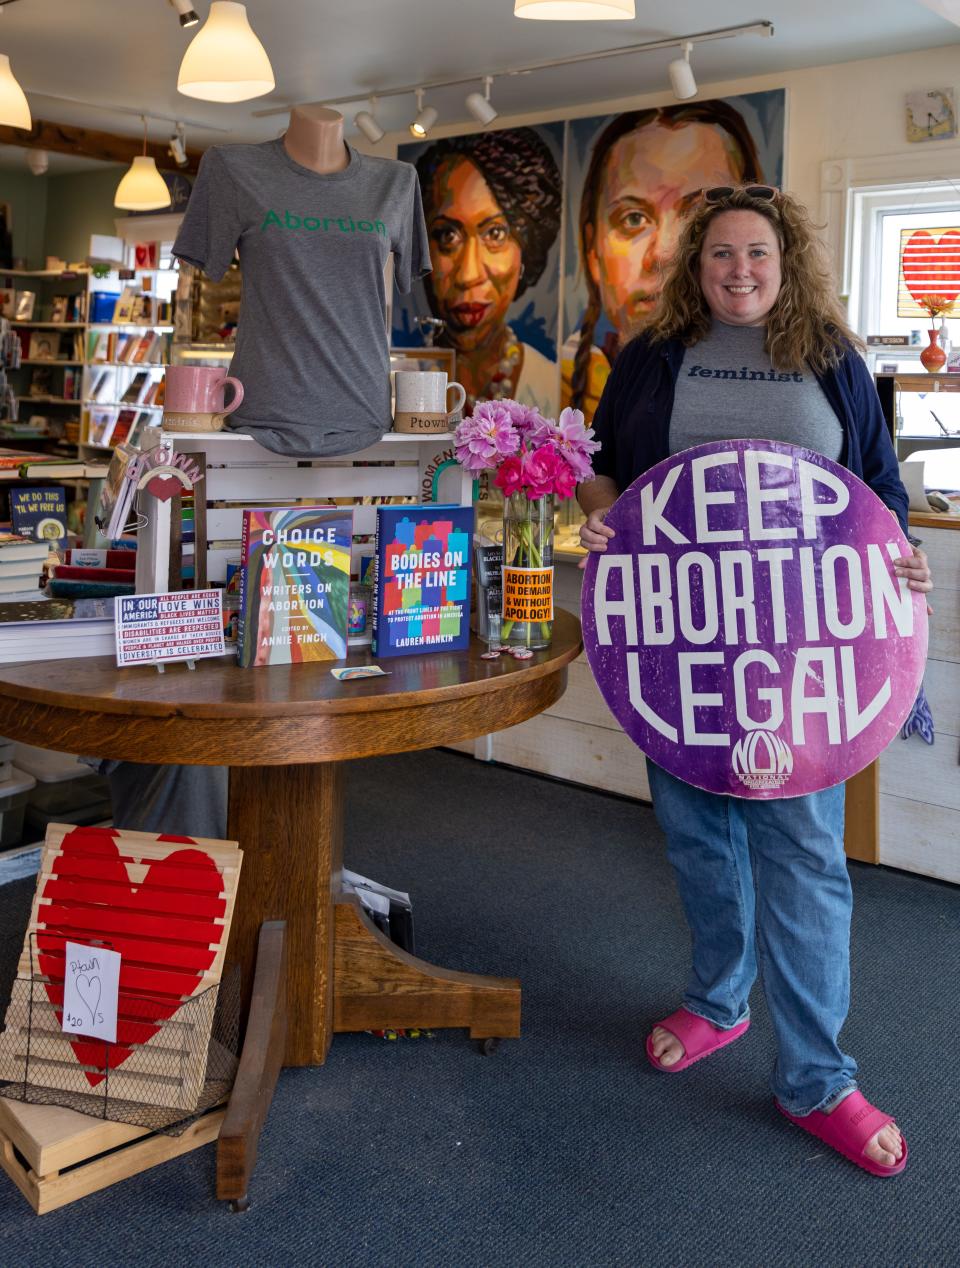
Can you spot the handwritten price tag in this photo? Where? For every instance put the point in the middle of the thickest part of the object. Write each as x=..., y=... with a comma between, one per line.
x=91, y=986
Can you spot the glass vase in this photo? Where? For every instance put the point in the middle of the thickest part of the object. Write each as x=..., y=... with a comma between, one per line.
x=527, y=571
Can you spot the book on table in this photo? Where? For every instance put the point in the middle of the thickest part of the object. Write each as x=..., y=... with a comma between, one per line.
x=294, y=584
x=20, y=584
x=42, y=628
x=15, y=548
x=421, y=591
x=40, y=512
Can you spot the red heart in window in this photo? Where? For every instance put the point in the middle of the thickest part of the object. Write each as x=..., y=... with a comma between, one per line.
x=931, y=266
x=165, y=928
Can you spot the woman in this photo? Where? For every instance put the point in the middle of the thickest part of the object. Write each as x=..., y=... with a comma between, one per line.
x=492, y=205
x=750, y=287
x=645, y=169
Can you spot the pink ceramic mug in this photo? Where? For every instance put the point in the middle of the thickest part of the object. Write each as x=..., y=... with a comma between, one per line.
x=198, y=389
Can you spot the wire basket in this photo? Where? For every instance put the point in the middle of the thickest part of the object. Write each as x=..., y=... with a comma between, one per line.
x=166, y=1068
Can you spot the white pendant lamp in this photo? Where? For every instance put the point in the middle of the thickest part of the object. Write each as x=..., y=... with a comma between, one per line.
x=14, y=109
x=574, y=10
x=142, y=187
x=225, y=61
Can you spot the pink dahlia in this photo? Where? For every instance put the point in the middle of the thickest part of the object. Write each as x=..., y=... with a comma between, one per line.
x=487, y=437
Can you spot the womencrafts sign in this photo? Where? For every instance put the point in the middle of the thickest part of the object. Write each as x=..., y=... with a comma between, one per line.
x=745, y=625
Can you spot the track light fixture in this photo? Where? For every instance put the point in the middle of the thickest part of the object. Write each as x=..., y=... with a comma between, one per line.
x=681, y=75
x=142, y=187
x=188, y=14
x=366, y=122
x=426, y=118
x=177, y=149
x=574, y=10
x=478, y=103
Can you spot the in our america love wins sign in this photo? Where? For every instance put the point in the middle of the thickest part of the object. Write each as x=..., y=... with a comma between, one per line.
x=745, y=624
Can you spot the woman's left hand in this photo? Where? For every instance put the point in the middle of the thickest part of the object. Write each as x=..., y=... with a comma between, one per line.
x=915, y=569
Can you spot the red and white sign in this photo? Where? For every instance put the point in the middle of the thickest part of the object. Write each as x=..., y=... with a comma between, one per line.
x=181, y=625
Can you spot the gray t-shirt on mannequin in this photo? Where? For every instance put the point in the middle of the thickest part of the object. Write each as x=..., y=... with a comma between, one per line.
x=312, y=337
x=727, y=390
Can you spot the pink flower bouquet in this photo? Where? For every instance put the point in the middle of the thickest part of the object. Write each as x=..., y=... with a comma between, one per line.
x=530, y=454
x=535, y=460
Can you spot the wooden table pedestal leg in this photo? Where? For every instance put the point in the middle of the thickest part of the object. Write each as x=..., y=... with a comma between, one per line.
x=379, y=986
x=289, y=822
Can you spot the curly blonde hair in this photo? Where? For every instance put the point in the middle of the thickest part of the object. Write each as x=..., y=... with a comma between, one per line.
x=805, y=327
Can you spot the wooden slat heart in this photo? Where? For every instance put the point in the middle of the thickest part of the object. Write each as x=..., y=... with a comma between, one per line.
x=165, y=904
x=101, y=903
x=931, y=266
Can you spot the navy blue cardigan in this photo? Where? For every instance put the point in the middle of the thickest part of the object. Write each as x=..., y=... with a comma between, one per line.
x=632, y=421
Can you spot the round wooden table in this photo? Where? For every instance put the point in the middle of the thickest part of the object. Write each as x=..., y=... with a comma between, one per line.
x=285, y=732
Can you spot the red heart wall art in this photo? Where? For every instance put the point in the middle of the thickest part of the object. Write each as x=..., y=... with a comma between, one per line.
x=162, y=930
x=931, y=266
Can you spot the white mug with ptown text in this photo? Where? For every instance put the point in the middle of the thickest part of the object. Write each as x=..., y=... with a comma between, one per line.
x=422, y=401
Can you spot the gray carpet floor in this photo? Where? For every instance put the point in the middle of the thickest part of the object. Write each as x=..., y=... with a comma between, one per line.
x=565, y=1148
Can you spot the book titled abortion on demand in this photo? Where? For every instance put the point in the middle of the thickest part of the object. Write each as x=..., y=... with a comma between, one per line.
x=422, y=579
x=294, y=584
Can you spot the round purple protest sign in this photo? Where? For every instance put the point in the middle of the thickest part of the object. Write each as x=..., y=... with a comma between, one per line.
x=745, y=624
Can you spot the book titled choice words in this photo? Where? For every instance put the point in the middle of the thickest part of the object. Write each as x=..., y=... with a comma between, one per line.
x=745, y=624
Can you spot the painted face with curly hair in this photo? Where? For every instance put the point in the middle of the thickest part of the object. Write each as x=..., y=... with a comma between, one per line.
x=476, y=259
x=651, y=177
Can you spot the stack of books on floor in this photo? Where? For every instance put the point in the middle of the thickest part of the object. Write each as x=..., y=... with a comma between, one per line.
x=66, y=790
x=15, y=788
x=33, y=629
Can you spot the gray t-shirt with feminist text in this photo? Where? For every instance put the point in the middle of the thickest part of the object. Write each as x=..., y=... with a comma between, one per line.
x=312, y=338
x=728, y=390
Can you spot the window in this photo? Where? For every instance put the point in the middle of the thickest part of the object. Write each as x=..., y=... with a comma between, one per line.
x=880, y=217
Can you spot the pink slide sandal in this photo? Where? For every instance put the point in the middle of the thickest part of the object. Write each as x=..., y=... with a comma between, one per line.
x=698, y=1037
x=849, y=1129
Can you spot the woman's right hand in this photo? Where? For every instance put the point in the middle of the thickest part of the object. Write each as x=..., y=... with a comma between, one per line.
x=594, y=533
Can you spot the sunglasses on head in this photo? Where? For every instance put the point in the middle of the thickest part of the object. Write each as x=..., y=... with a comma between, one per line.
x=764, y=193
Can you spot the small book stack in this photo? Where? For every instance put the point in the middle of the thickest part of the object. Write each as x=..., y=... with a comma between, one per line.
x=55, y=629
x=21, y=564
x=91, y=574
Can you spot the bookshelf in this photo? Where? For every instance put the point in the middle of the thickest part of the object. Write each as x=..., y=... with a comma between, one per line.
x=90, y=381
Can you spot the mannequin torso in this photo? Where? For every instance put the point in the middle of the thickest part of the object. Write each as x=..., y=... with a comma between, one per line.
x=314, y=139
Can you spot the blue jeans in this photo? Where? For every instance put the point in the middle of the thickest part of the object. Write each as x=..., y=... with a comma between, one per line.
x=767, y=880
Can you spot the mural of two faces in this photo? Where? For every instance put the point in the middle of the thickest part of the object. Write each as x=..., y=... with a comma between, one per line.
x=499, y=205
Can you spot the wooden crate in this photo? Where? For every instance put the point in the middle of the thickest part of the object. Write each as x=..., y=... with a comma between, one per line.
x=241, y=472
x=54, y=1155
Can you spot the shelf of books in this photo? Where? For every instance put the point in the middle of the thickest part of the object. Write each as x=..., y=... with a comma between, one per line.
x=95, y=337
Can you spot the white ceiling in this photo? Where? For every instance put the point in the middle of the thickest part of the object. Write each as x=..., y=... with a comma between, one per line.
x=121, y=58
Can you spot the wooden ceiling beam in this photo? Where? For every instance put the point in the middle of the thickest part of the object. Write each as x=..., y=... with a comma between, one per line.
x=108, y=147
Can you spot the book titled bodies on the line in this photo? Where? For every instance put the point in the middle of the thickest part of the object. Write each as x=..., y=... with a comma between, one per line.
x=422, y=579
x=294, y=584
